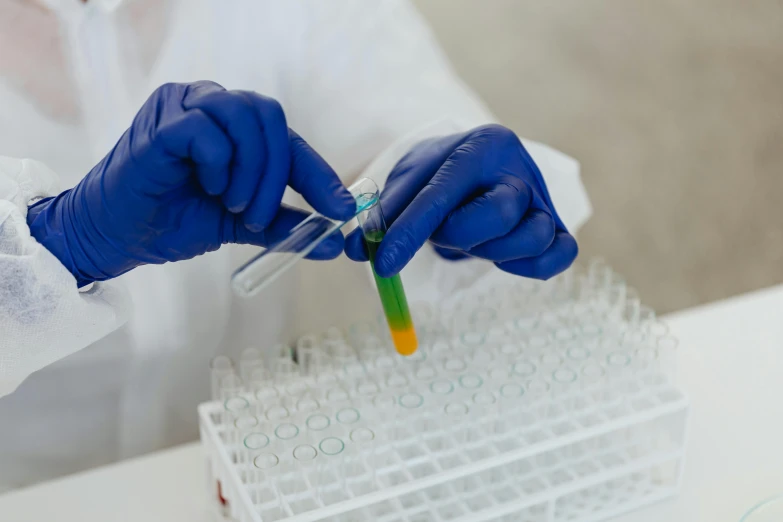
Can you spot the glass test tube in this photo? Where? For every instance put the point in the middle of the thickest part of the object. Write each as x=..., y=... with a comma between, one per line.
x=264, y=268
x=331, y=473
x=250, y=361
x=220, y=367
x=265, y=468
x=361, y=461
x=253, y=443
x=770, y=510
x=395, y=304
x=305, y=467
x=308, y=355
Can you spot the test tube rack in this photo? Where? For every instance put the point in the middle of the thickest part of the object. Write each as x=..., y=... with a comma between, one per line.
x=527, y=402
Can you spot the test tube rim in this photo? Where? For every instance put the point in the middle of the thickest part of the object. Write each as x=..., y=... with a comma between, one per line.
x=277, y=407
x=438, y=381
x=433, y=373
x=517, y=349
x=256, y=433
x=312, y=342
x=570, y=334
x=647, y=349
x=514, y=368
x=411, y=394
x=306, y=398
x=346, y=394
x=482, y=337
x=329, y=439
x=348, y=409
x=484, y=393
x=276, y=394
x=367, y=388
x=245, y=417
x=392, y=402
x=461, y=363
x=624, y=357
x=304, y=447
x=463, y=408
x=534, y=381
x=658, y=328
x=573, y=375
x=236, y=398
x=506, y=385
x=354, y=364
x=771, y=501
x=319, y=415
x=462, y=378
x=595, y=333
x=286, y=424
x=492, y=372
x=275, y=460
x=473, y=319
x=593, y=364
x=554, y=359
x=299, y=383
x=214, y=360
x=361, y=429
x=570, y=350
x=405, y=380
x=532, y=326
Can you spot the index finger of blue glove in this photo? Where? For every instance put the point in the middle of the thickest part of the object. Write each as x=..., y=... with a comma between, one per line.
x=194, y=136
x=457, y=178
x=269, y=192
x=236, y=116
x=280, y=228
x=317, y=182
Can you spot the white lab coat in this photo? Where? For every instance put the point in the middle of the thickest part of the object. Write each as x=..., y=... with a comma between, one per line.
x=119, y=370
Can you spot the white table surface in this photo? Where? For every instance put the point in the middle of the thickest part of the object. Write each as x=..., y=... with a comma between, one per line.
x=730, y=363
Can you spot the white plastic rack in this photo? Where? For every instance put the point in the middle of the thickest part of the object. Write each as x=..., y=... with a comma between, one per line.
x=535, y=402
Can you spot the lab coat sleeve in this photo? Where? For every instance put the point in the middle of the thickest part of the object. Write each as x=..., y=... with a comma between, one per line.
x=373, y=82
x=43, y=316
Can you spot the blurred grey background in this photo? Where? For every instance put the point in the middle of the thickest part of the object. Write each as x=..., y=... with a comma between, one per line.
x=675, y=111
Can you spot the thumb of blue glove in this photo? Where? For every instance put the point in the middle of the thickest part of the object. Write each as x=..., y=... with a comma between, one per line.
x=199, y=167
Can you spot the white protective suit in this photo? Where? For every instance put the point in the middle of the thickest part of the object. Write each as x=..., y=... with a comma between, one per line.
x=118, y=370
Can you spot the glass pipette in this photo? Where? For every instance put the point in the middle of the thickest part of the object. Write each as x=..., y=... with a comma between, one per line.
x=253, y=276
x=395, y=304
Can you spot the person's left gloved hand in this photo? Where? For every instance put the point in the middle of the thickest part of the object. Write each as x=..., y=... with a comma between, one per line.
x=475, y=194
x=199, y=167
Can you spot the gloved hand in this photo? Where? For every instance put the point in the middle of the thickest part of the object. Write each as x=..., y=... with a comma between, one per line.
x=199, y=167
x=476, y=194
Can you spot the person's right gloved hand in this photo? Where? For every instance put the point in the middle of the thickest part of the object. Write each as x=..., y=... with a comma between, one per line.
x=199, y=167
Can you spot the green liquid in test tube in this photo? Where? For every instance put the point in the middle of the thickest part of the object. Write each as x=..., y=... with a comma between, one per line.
x=395, y=304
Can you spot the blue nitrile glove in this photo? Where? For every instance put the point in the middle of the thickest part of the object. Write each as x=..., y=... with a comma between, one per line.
x=475, y=194
x=199, y=167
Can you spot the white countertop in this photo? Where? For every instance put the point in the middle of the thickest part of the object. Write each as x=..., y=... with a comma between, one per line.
x=730, y=363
